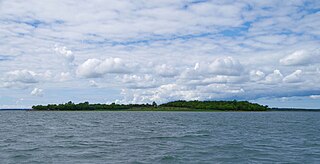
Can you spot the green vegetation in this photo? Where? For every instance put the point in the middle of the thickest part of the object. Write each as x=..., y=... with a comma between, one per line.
x=217, y=105
x=180, y=105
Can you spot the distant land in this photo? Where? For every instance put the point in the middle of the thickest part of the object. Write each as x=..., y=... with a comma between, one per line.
x=15, y=109
x=294, y=109
x=180, y=105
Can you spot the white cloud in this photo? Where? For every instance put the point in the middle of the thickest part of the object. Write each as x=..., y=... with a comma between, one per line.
x=225, y=66
x=275, y=77
x=47, y=75
x=220, y=14
x=64, y=76
x=225, y=79
x=294, y=77
x=315, y=96
x=191, y=73
x=93, y=83
x=300, y=57
x=196, y=66
x=222, y=89
x=166, y=71
x=256, y=75
x=26, y=78
x=67, y=54
x=37, y=92
x=161, y=94
x=221, y=70
x=136, y=81
x=171, y=92
x=23, y=76
x=93, y=68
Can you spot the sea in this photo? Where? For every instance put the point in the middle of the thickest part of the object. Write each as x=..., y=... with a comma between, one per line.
x=159, y=137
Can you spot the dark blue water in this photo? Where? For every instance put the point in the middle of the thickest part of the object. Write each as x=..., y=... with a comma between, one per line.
x=159, y=137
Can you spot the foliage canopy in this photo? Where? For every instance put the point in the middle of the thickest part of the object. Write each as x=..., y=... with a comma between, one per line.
x=180, y=104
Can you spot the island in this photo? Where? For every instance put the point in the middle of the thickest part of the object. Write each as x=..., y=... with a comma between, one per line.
x=180, y=105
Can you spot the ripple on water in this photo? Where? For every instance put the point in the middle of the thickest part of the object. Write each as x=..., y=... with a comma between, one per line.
x=159, y=137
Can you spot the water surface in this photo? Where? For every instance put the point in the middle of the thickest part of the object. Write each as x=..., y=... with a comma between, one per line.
x=159, y=137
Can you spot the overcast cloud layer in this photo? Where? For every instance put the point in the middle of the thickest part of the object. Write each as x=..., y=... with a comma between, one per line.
x=53, y=51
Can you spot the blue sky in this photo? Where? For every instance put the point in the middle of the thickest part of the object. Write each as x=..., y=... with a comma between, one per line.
x=53, y=51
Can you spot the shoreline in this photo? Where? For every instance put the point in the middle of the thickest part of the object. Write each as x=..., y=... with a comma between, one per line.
x=167, y=110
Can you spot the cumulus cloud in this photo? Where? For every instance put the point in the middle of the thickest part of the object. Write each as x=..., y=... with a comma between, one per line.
x=160, y=94
x=23, y=76
x=37, y=92
x=171, y=91
x=26, y=78
x=275, y=77
x=67, y=54
x=47, y=75
x=294, y=77
x=142, y=81
x=191, y=73
x=93, y=83
x=93, y=68
x=256, y=75
x=223, y=69
x=166, y=71
x=315, y=96
x=222, y=89
x=64, y=76
x=225, y=66
x=225, y=79
x=196, y=66
x=300, y=57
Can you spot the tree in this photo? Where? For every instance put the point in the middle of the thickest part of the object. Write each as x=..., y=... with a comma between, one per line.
x=154, y=104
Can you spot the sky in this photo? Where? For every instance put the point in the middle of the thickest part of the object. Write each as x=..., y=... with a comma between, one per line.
x=140, y=51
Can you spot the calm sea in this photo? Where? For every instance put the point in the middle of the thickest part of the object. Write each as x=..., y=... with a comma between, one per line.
x=159, y=137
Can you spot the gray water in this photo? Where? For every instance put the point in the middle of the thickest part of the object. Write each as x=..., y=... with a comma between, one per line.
x=159, y=137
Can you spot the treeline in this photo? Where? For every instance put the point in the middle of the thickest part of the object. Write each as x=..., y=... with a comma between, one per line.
x=181, y=104
x=86, y=106
x=217, y=105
